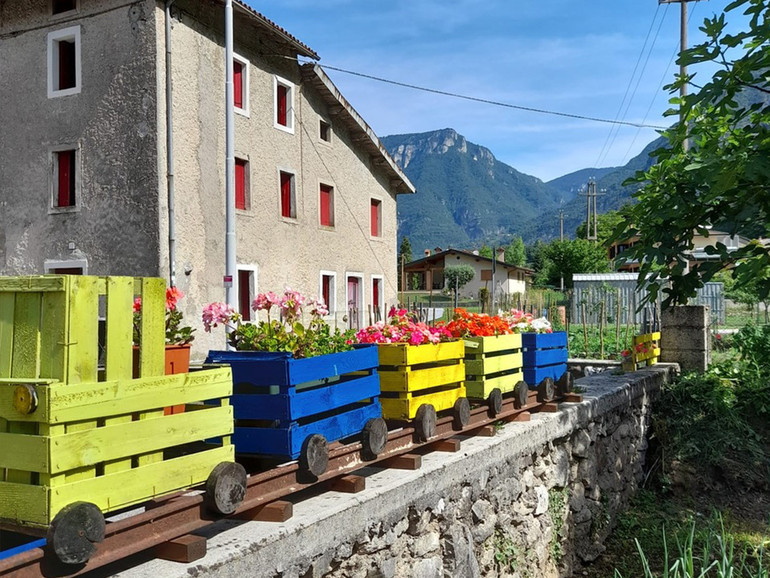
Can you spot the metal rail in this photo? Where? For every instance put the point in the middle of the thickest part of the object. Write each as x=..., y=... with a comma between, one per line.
x=181, y=514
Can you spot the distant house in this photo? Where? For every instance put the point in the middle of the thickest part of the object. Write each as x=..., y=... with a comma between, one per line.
x=492, y=274
x=85, y=184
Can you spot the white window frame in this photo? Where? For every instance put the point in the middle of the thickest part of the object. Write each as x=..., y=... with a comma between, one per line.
x=329, y=142
x=332, y=305
x=253, y=282
x=50, y=264
x=295, y=196
x=361, y=294
x=333, y=209
x=53, y=179
x=289, y=127
x=381, y=279
x=68, y=34
x=75, y=10
x=379, y=224
x=246, y=110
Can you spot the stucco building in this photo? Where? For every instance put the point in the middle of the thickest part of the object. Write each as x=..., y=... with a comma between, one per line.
x=85, y=181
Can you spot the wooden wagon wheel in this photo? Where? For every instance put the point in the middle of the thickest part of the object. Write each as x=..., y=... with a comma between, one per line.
x=495, y=401
x=374, y=437
x=545, y=390
x=565, y=384
x=520, y=395
x=461, y=413
x=225, y=488
x=425, y=422
x=314, y=456
x=75, y=531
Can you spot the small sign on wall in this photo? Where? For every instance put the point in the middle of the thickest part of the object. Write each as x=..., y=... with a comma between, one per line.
x=486, y=274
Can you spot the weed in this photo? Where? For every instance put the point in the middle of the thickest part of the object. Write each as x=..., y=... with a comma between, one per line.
x=505, y=551
x=557, y=502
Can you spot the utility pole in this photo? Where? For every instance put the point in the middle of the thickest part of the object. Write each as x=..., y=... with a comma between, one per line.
x=682, y=48
x=591, y=194
x=561, y=238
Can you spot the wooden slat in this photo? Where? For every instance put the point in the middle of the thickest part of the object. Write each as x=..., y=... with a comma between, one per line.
x=403, y=354
x=405, y=406
x=54, y=351
x=7, y=308
x=26, y=336
x=36, y=284
x=24, y=452
x=482, y=387
x=20, y=476
x=496, y=364
x=278, y=511
x=24, y=503
x=10, y=413
x=407, y=379
x=183, y=549
x=492, y=343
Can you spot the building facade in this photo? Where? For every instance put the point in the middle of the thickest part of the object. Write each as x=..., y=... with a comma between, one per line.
x=84, y=170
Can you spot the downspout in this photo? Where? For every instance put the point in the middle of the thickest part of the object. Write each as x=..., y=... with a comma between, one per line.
x=170, y=151
x=231, y=288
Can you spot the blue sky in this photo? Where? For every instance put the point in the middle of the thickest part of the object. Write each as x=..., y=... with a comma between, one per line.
x=569, y=56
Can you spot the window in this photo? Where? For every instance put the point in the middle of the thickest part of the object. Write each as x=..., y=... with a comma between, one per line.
x=325, y=131
x=61, y=6
x=284, y=105
x=241, y=85
x=377, y=297
x=73, y=267
x=64, y=178
x=288, y=201
x=241, y=184
x=376, y=218
x=328, y=290
x=247, y=288
x=64, y=62
x=327, y=206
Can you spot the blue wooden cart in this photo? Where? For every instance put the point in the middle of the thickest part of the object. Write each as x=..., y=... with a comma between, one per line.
x=545, y=360
x=292, y=408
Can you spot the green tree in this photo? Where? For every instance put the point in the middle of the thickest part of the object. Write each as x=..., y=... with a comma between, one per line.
x=404, y=256
x=722, y=178
x=606, y=224
x=485, y=251
x=565, y=258
x=516, y=253
x=456, y=276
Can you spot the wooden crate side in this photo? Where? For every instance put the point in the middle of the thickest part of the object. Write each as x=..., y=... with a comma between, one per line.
x=534, y=375
x=254, y=367
x=7, y=311
x=405, y=406
x=332, y=365
x=493, y=364
x=409, y=379
x=646, y=338
x=538, y=357
x=544, y=340
x=54, y=338
x=650, y=354
x=28, y=453
x=26, y=336
x=7, y=392
x=122, y=489
x=401, y=354
x=24, y=504
x=32, y=284
x=480, y=388
x=492, y=343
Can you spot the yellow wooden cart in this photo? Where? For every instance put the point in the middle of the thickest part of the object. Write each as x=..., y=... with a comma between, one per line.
x=78, y=435
x=644, y=352
x=417, y=381
x=493, y=367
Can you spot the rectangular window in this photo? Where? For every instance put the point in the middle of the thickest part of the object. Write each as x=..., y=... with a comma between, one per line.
x=245, y=293
x=64, y=62
x=376, y=218
x=238, y=84
x=325, y=131
x=64, y=178
x=284, y=105
x=61, y=6
x=327, y=206
x=241, y=184
x=241, y=85
x=328, y=290
x=288, y=201
x=377, y=296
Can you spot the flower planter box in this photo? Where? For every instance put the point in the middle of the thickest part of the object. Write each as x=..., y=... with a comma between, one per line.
x=492, y=362
x=413, y=375
x=280, y=401
x=641, y=358
x=71, y=431
x=545, y=355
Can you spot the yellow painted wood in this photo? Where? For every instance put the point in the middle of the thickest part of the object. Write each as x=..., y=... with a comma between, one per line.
x=646, y=337
x=9, y=412
x=492, y=343
x=19, y=476
x=119, y=347
x=32, y=284
x=22, y=504
x=481, y=388
x=488, y=365
x=131, y=487
x=75, y=450
x=7, y=308
x=99, y=400
x=408, y=379
x=46, y=478
x=24, y=452
x=153, y=345
x=404, y=354
x=405, y=406
x=26, y=336
x=54, y=337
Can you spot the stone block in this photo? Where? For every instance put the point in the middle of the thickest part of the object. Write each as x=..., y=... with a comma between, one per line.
x=684, y=338
x=687, y=360
x=685, y=316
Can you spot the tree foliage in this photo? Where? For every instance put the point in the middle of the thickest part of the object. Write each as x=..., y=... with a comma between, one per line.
x=560, y=259
x=606, y=224
x=722, y=180
x=456, y=276
x=516, y=253
x=486, y=251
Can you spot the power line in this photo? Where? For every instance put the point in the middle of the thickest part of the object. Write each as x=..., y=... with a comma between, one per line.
x=487, y=101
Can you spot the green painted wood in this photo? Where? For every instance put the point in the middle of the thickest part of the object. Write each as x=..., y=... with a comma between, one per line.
x=7, y=309
x=8, y=412
x=22, y=504
x=19, y=476
x=152, y=349
x=54, y=335
x=26, y=336
x=32, y=284
x=24, y=452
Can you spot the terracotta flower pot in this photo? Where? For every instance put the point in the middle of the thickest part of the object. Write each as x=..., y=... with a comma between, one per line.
x=177, y=361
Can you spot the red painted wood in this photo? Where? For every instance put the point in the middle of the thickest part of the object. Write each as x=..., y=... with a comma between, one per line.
x=326, y=206
x=326, y=289
x=238, y=84
x=244, y=301
x=286, y=204
x=240, y=184
x=282, y=95
x=375, y=218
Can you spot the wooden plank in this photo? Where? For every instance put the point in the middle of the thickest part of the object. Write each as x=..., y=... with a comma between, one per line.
x=409, y=379
x=492, y=343
x=7, y=310
x=32, y=283
x=26, y=336
x=403, y=354
x=24, y=504
x=20, y=476
x=402, y=462
x=99, y=400
x=54, y=339
x=550, y=407
x=349, y=484
x=405, y=406
x=278, y=511
x=544, y=340
x=487, y=365
x=538, y=357
x=183, y=549
x=121, y=440
x=488, y=431
x=122, y=489
x=480, y=388
x=10, y=413
x=24, y=452
x=118, y=359
x=451, y=445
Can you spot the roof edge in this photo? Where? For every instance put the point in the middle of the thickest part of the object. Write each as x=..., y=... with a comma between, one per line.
x=301, y=48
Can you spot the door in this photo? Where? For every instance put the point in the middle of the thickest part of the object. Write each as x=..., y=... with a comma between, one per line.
x=354, y=302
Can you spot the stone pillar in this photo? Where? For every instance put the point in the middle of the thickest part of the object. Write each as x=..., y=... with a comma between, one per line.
x=685, y=338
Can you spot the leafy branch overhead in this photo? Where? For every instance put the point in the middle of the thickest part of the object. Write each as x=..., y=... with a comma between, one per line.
x=722, y=179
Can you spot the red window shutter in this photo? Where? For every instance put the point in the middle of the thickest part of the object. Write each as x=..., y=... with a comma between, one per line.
x=376, y=292
x=244, y=301
x=326, y=206
x=282, y=105
x=238, y=84
x=326, y=289
x=375, y=218
x=66, y=182
x=66, y=64
x=240, y=184
x=286, y=195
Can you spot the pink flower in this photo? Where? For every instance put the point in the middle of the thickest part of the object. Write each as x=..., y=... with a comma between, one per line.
x=137, y=304
x=261, y=302
x=218, y=314
x=172, y=296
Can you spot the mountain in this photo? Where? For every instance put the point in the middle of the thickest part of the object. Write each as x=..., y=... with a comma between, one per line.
x=465, y=196
x=574, y=181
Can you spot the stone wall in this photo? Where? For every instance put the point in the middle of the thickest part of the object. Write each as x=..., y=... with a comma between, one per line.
x=685, y=338
x=538, y=499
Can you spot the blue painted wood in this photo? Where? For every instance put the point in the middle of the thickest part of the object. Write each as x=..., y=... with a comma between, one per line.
x=534, y=375
x=296, y=405
x=544, y=340
x=538, y=357
x=23, y=548
x=287, y=442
